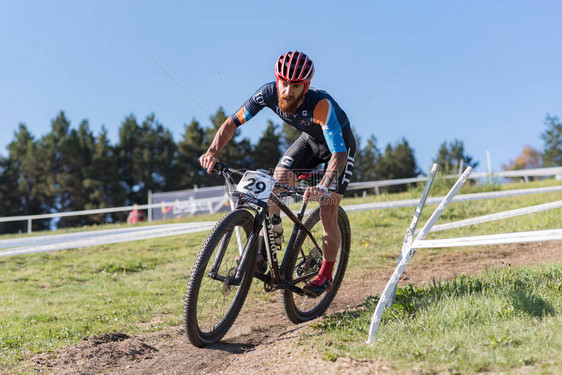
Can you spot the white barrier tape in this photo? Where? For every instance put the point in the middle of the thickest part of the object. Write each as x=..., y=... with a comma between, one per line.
x=497, y=216
x=492, y=239
x=165, y=231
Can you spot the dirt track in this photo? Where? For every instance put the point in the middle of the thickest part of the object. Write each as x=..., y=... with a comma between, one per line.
x=263, y=339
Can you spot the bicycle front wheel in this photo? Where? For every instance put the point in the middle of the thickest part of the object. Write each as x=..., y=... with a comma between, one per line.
x=214, y=295
x=304, y=262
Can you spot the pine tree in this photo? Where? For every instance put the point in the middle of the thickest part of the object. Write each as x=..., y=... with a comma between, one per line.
x=449, y=157
x=397, y=162
x=366, y=159
x=237, y=152
x=552, y=137
x=9, y=196
x=30, y=170
x=146, y=155
x=266, y=153
x=190, y=148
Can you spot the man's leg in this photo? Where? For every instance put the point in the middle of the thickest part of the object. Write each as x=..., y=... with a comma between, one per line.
x=331, y=241
x=329, y=216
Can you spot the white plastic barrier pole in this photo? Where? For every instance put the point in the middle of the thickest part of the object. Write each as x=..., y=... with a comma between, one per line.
x=395, y=278
x=493, y=239
x=387, y=294
x=497, y=216
x=423, y=198
x=443, y=205
x=408, y=238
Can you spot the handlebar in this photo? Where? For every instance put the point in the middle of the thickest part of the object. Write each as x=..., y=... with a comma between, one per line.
x=221, y=168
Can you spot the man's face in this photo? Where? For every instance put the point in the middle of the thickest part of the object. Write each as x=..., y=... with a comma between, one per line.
x=289, y=96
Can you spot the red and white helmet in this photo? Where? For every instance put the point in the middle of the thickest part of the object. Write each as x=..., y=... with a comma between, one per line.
x=294, y=67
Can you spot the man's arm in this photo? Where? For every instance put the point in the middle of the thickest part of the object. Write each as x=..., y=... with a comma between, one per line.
x=335, y=168
x=222, y=137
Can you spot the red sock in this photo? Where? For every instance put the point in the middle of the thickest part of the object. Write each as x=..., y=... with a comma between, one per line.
x=326, y=270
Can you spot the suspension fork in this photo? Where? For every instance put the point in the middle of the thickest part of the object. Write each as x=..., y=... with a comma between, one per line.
x=252, y=241
x=220, y=254
x=243, y=252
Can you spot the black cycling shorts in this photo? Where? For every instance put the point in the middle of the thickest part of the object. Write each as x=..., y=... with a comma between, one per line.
x=306, y=154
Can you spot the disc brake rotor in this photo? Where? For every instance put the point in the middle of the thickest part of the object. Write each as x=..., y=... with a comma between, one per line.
x=227, y=283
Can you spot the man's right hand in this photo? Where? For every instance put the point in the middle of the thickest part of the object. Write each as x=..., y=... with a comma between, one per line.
x=208, y=161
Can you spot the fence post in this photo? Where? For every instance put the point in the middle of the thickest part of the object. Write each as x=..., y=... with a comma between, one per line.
x=29, y=230
x=149, y=214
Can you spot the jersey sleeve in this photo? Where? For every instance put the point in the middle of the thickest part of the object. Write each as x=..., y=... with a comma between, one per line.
x=250, y=107
x=325, y=115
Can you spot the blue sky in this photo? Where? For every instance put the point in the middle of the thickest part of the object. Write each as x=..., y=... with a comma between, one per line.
x=484, y=72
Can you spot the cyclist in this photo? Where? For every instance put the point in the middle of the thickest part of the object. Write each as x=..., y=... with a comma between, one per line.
x=326, y=138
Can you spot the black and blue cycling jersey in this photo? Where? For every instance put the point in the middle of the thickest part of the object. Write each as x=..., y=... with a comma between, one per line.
x=319, y=115
x=325, y=126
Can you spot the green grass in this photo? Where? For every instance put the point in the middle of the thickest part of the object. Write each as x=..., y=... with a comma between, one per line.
x=55, y=299
x=52, y=300
x=503, y=320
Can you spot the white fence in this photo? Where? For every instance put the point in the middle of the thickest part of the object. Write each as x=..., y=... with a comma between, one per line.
x=212, y=204
x=37, y=244
x=520, y=173
x=410, y=243
x=27, y=245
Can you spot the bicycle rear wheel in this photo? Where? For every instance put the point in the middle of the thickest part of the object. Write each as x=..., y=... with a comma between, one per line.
x=305, y=260
x=213, y=298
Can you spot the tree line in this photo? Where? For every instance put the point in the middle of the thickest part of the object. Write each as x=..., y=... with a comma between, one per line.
x=71, y=169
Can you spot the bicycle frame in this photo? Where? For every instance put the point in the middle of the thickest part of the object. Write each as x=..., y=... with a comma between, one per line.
x=273, y=280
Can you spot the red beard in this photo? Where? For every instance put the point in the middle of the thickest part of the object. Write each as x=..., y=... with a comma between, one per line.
x=289, y=104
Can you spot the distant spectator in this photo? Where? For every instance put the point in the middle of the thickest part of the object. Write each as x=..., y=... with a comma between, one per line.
x=134, y=216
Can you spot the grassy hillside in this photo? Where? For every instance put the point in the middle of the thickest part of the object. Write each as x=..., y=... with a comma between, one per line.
x=503, y=320
x=49, y=300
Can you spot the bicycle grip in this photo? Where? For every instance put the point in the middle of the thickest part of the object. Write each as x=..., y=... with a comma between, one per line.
x=219, y=166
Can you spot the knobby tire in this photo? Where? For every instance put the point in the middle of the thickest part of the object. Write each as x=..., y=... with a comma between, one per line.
x=303, y=261
x=211, y=306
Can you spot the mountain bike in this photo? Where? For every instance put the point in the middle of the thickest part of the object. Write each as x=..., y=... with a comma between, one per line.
x=225, y=266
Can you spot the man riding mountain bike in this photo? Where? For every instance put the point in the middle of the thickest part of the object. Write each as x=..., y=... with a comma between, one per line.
x=326, y=138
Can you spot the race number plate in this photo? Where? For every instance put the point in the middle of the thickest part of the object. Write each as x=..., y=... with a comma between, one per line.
x=257, y=184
